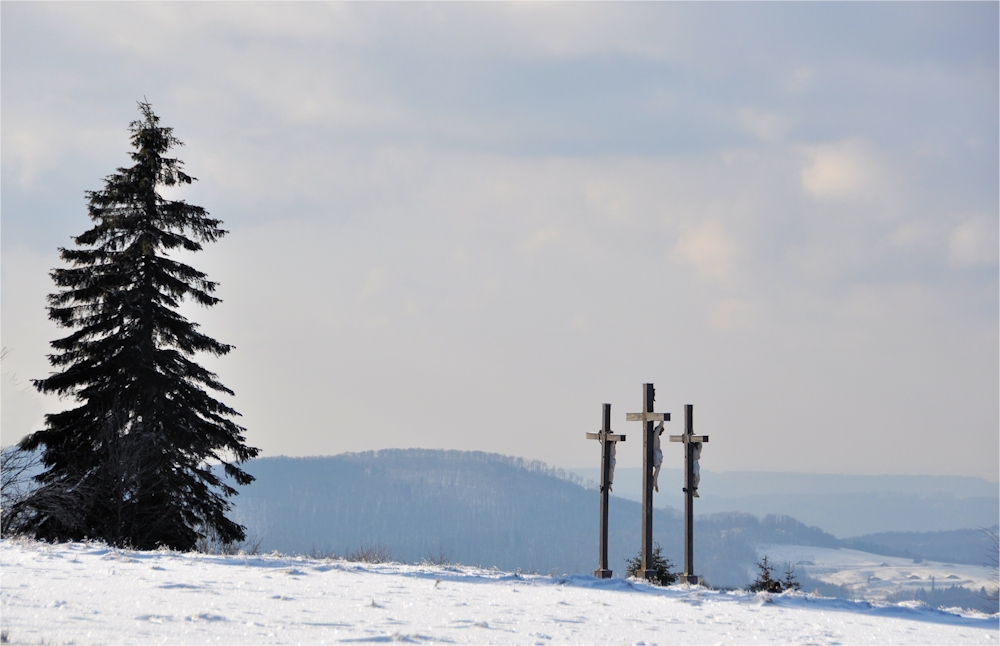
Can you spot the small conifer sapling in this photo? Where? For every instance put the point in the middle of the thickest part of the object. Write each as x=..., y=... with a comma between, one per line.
x=765, y=581
x=660, y=564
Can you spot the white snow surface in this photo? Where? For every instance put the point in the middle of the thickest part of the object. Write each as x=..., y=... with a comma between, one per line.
x=88, y=593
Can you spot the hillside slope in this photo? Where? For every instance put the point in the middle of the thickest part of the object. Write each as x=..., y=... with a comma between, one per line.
x=479, y=508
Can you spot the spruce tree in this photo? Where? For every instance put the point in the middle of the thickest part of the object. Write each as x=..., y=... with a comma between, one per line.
x=658, y=563
x=765, y=581
x=132, y=464
x=790, y=582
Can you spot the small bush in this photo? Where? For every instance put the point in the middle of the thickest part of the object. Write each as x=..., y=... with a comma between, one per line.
x=660, y=564
x=377, y=553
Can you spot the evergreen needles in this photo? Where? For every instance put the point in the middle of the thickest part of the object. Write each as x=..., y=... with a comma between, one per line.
x=131, y=464
x=765, y=581
x=660, y=564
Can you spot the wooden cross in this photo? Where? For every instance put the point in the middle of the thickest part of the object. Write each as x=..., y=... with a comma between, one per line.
x=689, y=438
x=647, y=417
x=608, y=441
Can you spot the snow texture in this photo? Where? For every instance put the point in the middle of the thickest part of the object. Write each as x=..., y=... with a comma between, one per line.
x=91, y=594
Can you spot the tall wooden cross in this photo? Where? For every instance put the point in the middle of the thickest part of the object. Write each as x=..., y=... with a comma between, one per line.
x=647, y=417
x=607, y=452
x=689, y=438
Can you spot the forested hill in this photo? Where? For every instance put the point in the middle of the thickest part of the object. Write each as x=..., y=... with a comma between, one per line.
x=478, y=508
x=969, y=546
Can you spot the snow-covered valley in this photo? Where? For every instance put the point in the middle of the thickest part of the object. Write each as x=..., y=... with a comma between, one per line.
x=92, y=594
x=873, y=576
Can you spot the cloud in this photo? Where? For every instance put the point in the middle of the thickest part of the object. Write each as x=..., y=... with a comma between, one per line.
x=974, y=243
x=374, y=284
x=766, y=126
x=730, y=314
x=538, y=239
x=709, y=251
x=801, y=79
x=842, y=170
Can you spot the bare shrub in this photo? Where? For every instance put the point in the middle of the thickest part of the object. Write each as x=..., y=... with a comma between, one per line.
x=16, y=470
x=377, y=553
x=322, y=555
x=212, y=544
x=441, y=558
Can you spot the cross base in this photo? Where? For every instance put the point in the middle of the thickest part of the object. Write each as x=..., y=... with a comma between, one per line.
x=649, y=575
x=602, y=574
x=689, y=578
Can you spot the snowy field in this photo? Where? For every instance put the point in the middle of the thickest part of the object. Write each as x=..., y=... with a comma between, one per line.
x=874, y=576
x=90, y=594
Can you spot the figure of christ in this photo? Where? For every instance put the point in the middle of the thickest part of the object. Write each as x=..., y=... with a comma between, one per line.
x=657, y=456
x=695, y=469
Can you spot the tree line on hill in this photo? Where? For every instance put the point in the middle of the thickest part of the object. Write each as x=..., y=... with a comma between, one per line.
x=481, y=509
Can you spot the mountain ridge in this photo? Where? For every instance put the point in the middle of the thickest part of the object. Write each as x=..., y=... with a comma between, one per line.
x=486, y=509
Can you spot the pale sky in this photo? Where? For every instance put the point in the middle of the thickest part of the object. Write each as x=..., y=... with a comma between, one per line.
x=466, y=226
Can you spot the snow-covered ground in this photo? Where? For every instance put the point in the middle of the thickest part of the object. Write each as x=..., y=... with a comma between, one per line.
x=873, y=576
x=90, y=594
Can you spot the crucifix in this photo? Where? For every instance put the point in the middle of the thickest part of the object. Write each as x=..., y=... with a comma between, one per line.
x=608, y=444
x=647, y=417
x=692, y=475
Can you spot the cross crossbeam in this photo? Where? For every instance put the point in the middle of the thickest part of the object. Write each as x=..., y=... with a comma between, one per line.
x=606, y=437
x=647, y=417
x=688, y=438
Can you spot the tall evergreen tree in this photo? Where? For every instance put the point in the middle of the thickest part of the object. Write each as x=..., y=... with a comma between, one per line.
x=132, y=464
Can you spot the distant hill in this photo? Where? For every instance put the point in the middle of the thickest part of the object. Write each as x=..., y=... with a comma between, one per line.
x=969, y=546
x=479, y=508
x=844, y=505
x=475, y=508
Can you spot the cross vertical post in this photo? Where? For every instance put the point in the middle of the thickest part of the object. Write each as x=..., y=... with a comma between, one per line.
x=603, y=571
x=692, y=443
x=648, y=395
x=608, y=441
x=647, y=417
x=688, y=496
